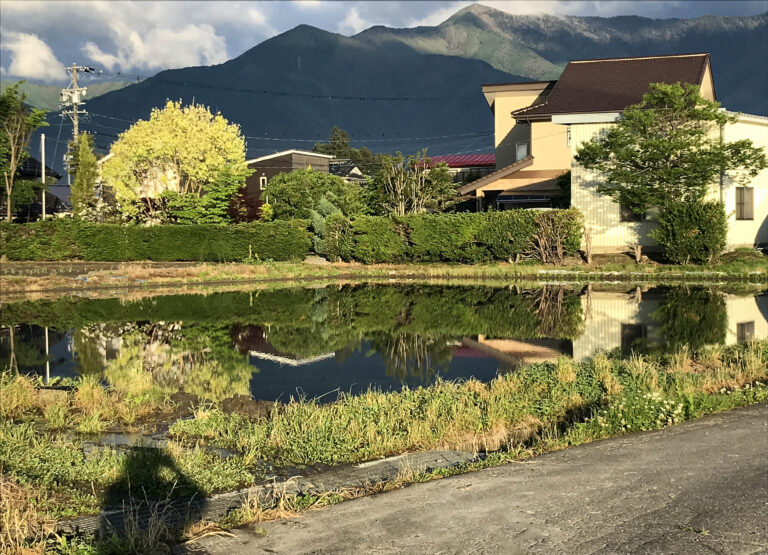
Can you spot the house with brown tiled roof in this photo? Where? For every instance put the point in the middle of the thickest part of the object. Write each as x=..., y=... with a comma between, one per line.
x=540, y=126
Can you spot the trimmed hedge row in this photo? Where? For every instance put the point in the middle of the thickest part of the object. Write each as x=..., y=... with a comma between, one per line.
x=75, y=240
x=464, y=238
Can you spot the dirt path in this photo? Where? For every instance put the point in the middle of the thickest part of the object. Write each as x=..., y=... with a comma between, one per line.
x=700, y=487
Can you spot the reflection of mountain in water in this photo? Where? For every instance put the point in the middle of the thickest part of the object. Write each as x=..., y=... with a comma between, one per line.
x=310, y=342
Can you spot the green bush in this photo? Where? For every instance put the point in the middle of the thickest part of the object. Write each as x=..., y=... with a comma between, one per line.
x=73, y=240
x=378, y=239
x=508, y=233
x=445, y=238
x=692, y=232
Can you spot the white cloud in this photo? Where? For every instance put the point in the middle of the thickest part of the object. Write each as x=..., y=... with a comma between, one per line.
x=160, y=48
x=31, y=57
x=353, y=23
x=307, y=4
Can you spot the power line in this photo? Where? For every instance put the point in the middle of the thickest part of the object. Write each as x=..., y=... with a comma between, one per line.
x=267, y=92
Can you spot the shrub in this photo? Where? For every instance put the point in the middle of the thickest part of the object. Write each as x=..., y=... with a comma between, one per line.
x=445, y=237
x=378, y=239
x=692, y=232
x=68, y=240
x=558, y=232
x=507, y=234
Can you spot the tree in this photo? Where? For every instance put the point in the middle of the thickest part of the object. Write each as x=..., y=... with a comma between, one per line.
x=17, y=123
x=216, y=203
x=667, y=149
x=298, y=193
x=181, y=149
x=410, y=185
x=83, y=195
x=338, y=146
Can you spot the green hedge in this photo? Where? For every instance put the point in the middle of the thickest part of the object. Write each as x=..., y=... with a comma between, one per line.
x=75, y=240
x=460, y=238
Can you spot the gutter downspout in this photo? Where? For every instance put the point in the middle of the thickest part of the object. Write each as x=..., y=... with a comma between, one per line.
x=722, y=175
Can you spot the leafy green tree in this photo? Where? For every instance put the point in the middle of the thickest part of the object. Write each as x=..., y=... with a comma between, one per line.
x=17, y=123
x=180, y=149
x=83, y=194
x=667, y=150
x=296, y=194
x=215, y=205
x=410, y=185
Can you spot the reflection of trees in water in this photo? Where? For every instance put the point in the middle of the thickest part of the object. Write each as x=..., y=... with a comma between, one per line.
x=201, y=359
x=22, y=347
x=413, y=354
x=692, y=316
x=559, y=312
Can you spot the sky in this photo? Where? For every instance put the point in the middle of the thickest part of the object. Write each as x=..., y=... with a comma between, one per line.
x=39, y=38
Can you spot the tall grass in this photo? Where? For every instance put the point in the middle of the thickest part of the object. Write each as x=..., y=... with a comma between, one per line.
x=501, y=414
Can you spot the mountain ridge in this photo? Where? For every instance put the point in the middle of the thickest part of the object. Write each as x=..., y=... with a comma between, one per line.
x=305, y=80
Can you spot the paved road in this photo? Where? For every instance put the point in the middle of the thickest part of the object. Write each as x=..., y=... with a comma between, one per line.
x=701, y=487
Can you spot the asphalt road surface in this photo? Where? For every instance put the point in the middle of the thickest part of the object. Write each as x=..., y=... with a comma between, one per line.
x=700, y=487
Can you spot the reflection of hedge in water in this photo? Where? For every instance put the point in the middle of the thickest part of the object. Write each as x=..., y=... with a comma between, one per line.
x=319, y=315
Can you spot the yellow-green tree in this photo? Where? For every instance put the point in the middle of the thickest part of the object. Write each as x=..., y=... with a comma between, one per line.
x=180, y=148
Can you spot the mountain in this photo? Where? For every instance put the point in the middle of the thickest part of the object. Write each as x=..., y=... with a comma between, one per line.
x=47, y=97
x=540, y=46
x=411, y=88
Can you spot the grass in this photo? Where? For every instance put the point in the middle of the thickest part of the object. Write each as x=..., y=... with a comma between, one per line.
x=501, y=414
x=47, y=475
x=20, y=277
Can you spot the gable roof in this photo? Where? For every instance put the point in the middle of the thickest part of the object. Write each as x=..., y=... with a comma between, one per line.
x=498, y=174
x=612, y=84
x=343, y=167
x=291, y=151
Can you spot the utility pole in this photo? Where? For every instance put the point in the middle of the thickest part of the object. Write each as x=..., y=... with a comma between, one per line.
x=42, y=167
x=72, y=102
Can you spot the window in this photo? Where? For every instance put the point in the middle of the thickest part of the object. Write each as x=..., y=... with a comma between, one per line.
x=521, y=151
x=633, y=336
x=745, y=332
x=628, y=215
x=263, y=182
x=745, y=202
x=568, y=136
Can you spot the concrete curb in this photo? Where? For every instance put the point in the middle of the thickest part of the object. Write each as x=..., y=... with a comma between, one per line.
x=176, y=514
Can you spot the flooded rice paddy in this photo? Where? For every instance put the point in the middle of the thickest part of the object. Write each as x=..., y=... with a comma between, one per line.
x=315, y=342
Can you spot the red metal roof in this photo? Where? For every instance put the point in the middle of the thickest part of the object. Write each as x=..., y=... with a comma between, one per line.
x=466, y=160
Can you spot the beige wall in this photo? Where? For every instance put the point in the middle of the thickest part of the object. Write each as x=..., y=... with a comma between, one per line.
x=549, y=146
x=602, y=215
x=507, y=132
x=748, y=232
x=707, y=88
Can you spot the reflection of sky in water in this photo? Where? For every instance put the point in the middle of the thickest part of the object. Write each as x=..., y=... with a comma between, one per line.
x=609, y=321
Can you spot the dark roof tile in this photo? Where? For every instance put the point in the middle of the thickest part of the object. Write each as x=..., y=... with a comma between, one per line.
x=613, y=84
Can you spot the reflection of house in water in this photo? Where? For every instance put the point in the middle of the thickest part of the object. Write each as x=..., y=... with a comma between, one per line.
x=517, y=352
x=253, y=341
x=627, y=320
x=290, y=360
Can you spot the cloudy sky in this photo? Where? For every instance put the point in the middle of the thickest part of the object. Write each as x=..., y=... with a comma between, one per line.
x=38, y=38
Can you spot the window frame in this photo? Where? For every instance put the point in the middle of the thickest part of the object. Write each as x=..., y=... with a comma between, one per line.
x=745, y=203
x=262, y=182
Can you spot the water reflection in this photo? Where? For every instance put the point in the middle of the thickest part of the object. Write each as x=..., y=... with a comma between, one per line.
x=277, y=344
